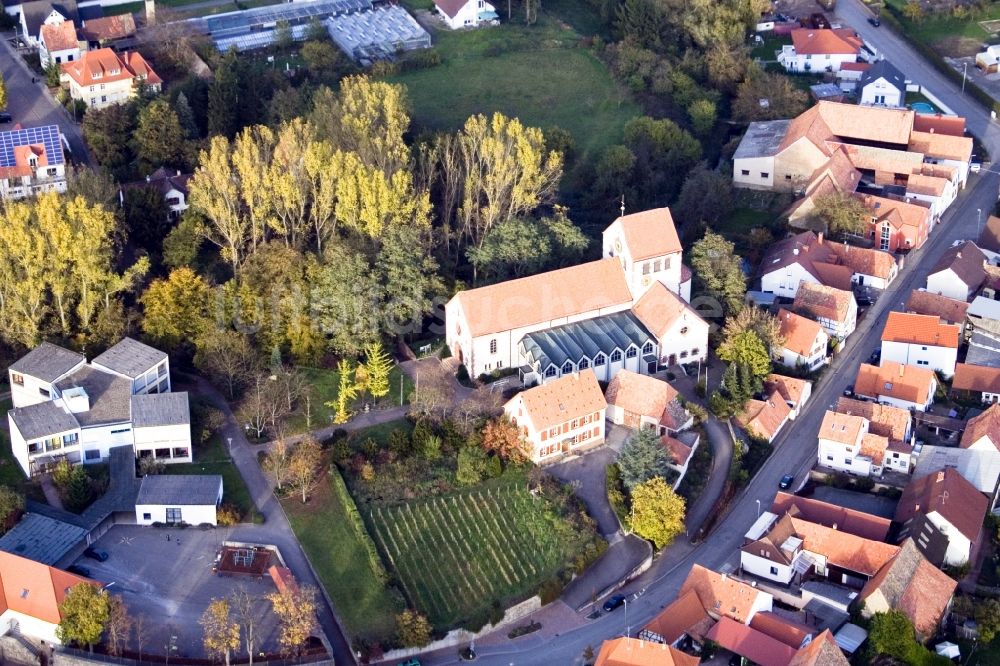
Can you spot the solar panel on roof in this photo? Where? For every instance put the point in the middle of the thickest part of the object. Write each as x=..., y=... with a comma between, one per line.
x=47, y=135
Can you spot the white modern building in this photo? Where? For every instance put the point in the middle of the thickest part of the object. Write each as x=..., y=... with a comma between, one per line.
x=846, y=445
x=175, y=499
x=67, y=409
x=820, y=50
x=882, y=85
x=466, y=13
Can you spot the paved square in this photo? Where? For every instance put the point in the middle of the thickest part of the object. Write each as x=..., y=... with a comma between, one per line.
x=165, y=575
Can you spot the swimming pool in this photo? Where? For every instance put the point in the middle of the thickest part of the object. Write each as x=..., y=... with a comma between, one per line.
x=923, y=107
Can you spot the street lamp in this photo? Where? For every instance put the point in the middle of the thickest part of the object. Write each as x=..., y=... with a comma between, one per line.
x=627, y=632
x=229, y=440
x=758, y=509
x=965, y=68
x=979, y=222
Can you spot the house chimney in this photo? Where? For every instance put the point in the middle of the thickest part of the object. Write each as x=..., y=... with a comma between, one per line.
x=150, y=12
x=795, y=251
x=940, y=476
x=819, y=238
x=900, y=369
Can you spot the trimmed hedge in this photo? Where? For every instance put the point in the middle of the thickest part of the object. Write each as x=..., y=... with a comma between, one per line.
x=357, y=524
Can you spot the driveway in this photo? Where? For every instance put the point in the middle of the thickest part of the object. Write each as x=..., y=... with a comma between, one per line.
x=31, y=104
x=276, y=529
x=165, y=576
x=586, y=474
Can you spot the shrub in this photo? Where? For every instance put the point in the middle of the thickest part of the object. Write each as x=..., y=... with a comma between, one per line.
x=720, y=405
x=616, y=492
x=354, y=520
x=400, y=443
x=550, y=590
x=864, y=484
x=150, y=465
x=339, y=435
x=227, y=515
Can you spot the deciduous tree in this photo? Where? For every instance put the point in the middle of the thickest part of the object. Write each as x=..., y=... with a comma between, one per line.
x=304, y=466
x=718, y=270
x=643, y=457
x=745, y=348
x=408, y=275
x=177, y=309
x=706, y=197
x=412, y=629
x=781, y=98
x=503, y=438
x=988, y=619
x=345, y=298
x=244, y=606
x=657, y=512
x=84, y=611
x=276, y=462
x=226, y=356
x=760, y=321
x=378, y=365
x=842, y=213
x=220, y=634
x=159, y=137
x=347, y=390
x=3, y=93
x=11, y=502
x=296, y=611
x=119, y=623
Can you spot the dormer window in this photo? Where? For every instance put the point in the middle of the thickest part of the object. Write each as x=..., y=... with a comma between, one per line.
x=95, y=75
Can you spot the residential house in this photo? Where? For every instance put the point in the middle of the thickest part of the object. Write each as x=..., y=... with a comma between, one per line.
x=846, y=445
x=102, y=77
x=806, y=343
x=465, y=13
x=808, y=257
x=989, y=239
x=107, y=30
x=172, y=185
x=977, y=380
x=561, y=417
x=921, y=340
x=897, y=226
x=764, y=419
x=850, y=73
x=724, y=596
x=756, y=647
x=682, y=624
x=784, y=549
x=944, y=149
x=176, y=499
x=32, y=162
x=983, y=326
x=959, y=273
x=640, y=401
x=939, y=123
x=893, y=423
x=896, y=384
x=943, y=513
x=911, y=584
x=624, y=311
x=820, y=50
x=782, y=629
x=851, y=521
x=680, y=449
x=834, y=309
x=795, y=392
x=989, y=60
x=948, y=310
x=883, y=85
x=32, y=593
x=636, y=652
x=36, y=13
x=68, y=409
x=57, y=43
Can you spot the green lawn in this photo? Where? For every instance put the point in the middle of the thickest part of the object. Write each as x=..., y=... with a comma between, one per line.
x=538, y=74
x=322, y=526
x=212, y=458
x=10, y=471
x=771, y=43
x=325, y=382
x=942, y=30
x=459, y=554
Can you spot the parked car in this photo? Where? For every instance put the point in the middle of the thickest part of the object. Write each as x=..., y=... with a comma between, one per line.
x=96, y=554
x=410, y=662
x=875, y=357
x=786, y=481
x=875, y=21
x=614, y=602
x=6, y=118
x=849, y=392
x=79, y=570
x=864, y=300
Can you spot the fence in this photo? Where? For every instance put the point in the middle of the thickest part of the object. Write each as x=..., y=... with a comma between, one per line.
x=67, y=656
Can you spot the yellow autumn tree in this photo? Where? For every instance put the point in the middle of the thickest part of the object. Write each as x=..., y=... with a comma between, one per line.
x=657, y=512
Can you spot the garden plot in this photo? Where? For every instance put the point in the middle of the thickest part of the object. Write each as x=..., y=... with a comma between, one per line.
x=460, y=555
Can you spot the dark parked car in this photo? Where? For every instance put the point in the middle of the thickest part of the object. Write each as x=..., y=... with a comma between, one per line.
x=96, y=554
x=614, y=602
x=6, y=118
x=875, y=21
x=79, y=570
x=875, y=357
x=865, y=300
x=786, y=481
x=410, y=662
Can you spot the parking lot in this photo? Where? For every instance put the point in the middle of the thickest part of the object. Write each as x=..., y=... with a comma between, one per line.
x=165, y=576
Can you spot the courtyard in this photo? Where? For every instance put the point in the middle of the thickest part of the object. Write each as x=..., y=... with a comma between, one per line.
x=165, y=577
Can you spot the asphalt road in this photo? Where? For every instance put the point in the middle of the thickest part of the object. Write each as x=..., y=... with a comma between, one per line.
x=795, y=449
x=31, y=105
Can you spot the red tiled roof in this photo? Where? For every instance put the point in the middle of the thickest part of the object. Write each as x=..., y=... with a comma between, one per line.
x=640, y=394
x=822, y=651
x=947, y=309
x=856, y=66
x=808, y=41
x=858, y=523
x=450, y=7
x=109, y=67
x=903, y=382
x=721, y=595
x=764, y=418
x=59, y=36
x=844, y=550
x=560, y=400
x=977, y=378
x=678, y=450
x=947, y=493
x=790, y=633
x=986, y=424
x=820, y=301
x=885, y=420
x=634, y=652
x=108, y=28
x=917, y=329
x=747, y=642
x=684, y=615
x=939, y=124
x=650, y=233
x=965, y=261
x=34, y=589
x=790, y=388
x=800, y=333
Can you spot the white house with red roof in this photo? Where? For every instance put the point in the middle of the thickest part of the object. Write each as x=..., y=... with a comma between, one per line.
x=466, y=13
x=561, y=417
x=820, y=50
x=103, y=77
x=806, y=342
x=944, y=514
x=30, y=594
x=58, y=43
x=31, y=162
x=921, y=340
x=625, y=311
